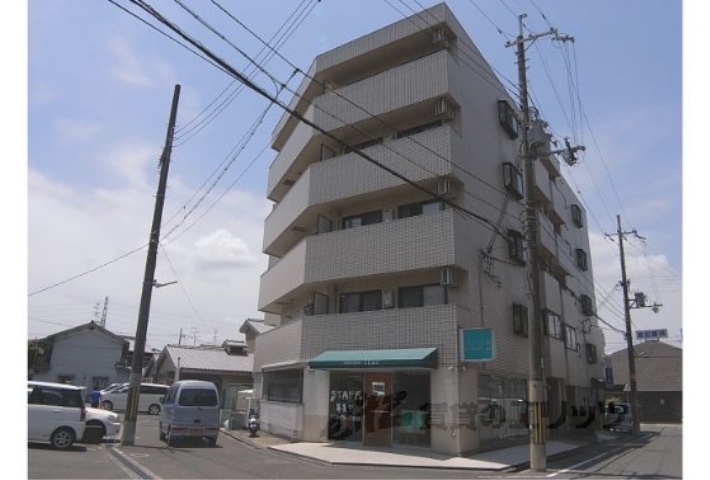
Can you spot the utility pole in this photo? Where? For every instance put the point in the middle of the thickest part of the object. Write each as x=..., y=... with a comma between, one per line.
x=129, y=423
x=639, y=302
x=536, y=385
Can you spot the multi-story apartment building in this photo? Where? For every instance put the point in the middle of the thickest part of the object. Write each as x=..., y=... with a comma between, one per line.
x=373, y=275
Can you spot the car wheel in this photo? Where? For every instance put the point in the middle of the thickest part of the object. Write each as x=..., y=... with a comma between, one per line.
x=62, y=438
x=212, y=441
x=107, y=405
x=154, y=409
x=95, y=431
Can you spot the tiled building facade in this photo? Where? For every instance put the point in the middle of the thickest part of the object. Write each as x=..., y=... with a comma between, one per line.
x=372, y=279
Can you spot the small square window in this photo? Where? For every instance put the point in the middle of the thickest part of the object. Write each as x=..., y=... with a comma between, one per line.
x=571, y=338
x=577, y=215
x=513, y=180
x=551, y=324
x=516, y=247
x=582, y=259
x=587, y=306
x=520, y=320
x=508, y=119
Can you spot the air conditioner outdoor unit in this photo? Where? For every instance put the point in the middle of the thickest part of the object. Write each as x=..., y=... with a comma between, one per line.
x=445, y=188
x=449, y=277
x=443, y=110
x=440, y=38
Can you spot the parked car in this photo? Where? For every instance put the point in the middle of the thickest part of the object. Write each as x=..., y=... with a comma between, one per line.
x=618, y=417
x=191, y=410
x=112, y=387
x=99, y=424
x=150, y=397
x=56, y=414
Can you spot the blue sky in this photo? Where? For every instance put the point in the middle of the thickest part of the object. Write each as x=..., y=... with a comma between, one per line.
x=99, y=86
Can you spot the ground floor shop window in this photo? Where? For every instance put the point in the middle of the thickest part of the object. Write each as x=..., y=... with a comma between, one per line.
x=284, y=386
x=502, y=407
x=345, y=406
x=411, y=409
x=405, y=396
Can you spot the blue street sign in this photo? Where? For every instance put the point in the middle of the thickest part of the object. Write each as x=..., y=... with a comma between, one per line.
x=477, y=345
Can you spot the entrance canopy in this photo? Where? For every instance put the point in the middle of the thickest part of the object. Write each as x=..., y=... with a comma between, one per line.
x=364, y=359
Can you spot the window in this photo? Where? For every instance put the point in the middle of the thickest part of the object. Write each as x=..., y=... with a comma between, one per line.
x=571, y=338
x=198, y=397
x=587, y=307
x=363, y=219
x=419, y=208
x=513, y=180
x=363, y=145
x=361, y=301
x=418, y=129
x=421, y=296
x=520, y=320
x=551, y=324
x=591, y=353
x=582, y=259
x=508, y=119
x=153, y=389
x=577, y=215
x=516, y=247
x=283, y=386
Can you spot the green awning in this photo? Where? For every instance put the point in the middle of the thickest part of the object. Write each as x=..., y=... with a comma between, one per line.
x=365, y=359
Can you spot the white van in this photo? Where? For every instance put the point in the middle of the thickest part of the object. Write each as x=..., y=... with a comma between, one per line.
x=191, y=410
x=149, y=399
x=56, y=414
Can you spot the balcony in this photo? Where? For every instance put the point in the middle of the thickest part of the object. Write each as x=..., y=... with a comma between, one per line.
x=411, y=244
x=306, y=337
x=348, y=176
x=344, y=112
x=550, y=293
x=542, y=183
x=558, y=209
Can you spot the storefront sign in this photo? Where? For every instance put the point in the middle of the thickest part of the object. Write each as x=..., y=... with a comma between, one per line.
x=477, y=345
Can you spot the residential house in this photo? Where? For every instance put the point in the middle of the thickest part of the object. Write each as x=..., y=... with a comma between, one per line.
x=251, y=328
x=228, y=366
x=88, y=355
x=397, y=230
x=659, y=380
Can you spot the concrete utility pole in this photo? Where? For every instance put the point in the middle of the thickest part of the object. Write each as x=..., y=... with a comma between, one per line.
x=635, y=414
x=536, y=385
x=129, y=423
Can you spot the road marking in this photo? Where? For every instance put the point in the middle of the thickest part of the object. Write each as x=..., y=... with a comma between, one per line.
x=589, y=460
x=134, y=466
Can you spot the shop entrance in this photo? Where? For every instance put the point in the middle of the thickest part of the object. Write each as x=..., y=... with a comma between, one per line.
x=378, y=409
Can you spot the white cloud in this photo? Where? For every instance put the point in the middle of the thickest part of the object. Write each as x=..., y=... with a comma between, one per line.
x=221, y=250
x=76, y=130
x=126, y=65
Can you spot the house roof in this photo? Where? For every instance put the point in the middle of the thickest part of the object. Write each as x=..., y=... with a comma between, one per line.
x=208, y=358
x=91, y=326
x=659, y=367
x=256, y=325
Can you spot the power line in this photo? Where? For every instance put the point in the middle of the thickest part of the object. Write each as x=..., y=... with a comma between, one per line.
x=89, y=271
x=232, y=71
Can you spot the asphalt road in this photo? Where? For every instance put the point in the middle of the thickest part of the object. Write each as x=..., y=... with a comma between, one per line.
x=657, y=455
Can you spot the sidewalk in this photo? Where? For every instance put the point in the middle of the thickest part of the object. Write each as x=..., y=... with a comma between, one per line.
x=345, y=453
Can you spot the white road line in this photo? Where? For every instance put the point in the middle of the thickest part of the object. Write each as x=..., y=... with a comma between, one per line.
x=589, y=460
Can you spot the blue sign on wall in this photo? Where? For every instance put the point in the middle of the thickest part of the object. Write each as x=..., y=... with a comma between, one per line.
x=477, y=345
